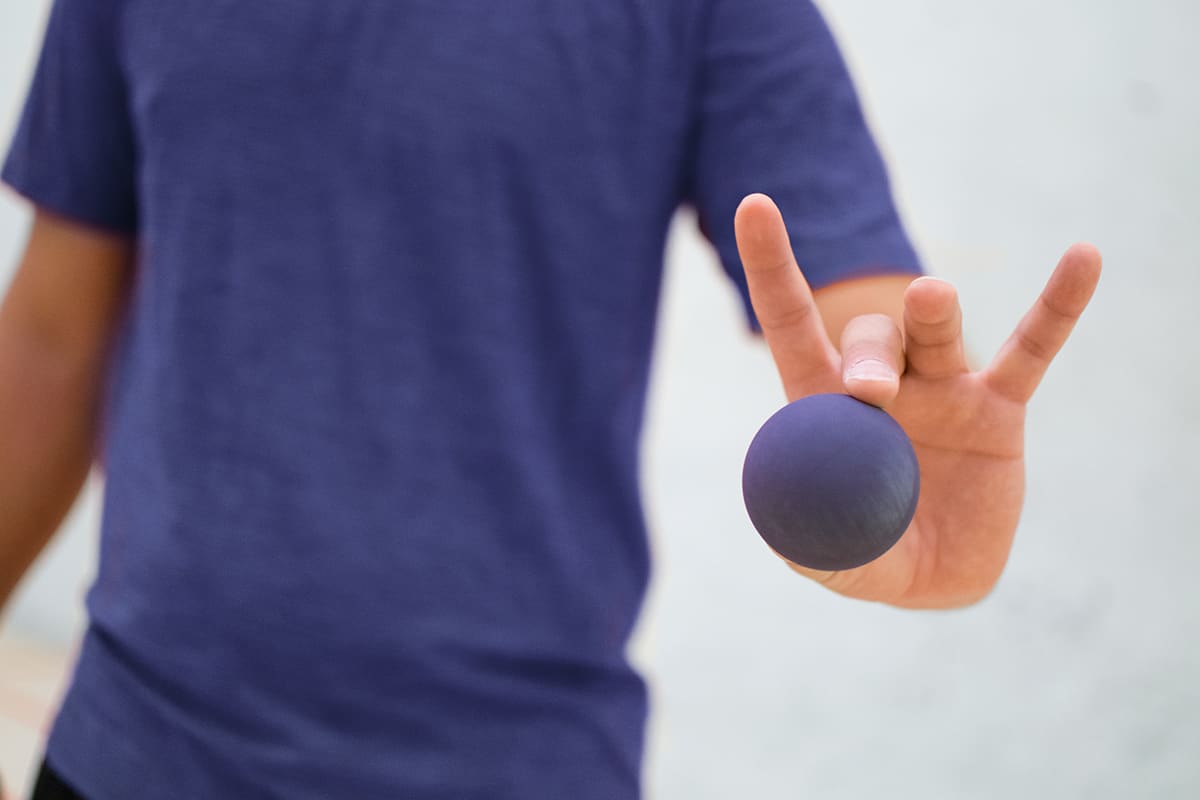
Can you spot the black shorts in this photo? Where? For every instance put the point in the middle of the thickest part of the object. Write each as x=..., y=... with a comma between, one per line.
x=50, y=786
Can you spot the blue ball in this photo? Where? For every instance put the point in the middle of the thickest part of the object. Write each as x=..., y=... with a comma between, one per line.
x=830, y=482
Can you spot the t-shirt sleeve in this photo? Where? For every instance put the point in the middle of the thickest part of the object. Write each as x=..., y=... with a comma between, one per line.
x=74, y=152
x=778, y=114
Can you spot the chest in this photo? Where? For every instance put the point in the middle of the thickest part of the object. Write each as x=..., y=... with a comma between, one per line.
x=379, y=76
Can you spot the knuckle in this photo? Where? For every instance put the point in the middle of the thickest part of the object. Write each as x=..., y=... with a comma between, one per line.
x=933, y=333
x=1056, y=311
x=935, y=357
x=1035, y=347
x=872, y=325
x=871, y=333
x=786, y=318
x=935, y=338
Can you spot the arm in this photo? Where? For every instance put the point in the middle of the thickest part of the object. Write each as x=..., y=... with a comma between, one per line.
x=56, y=326
x=842, y=301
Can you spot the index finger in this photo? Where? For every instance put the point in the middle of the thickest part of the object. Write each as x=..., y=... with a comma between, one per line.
x=783, y=301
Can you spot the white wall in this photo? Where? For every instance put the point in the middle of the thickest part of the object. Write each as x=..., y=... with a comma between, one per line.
x=1014, y=127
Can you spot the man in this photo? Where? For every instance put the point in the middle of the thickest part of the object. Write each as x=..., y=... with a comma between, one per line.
x=354, y=304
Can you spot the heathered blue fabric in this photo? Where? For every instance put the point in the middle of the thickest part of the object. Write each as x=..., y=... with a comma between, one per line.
x=372, y=525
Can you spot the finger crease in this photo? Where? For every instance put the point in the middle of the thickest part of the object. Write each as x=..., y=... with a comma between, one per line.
x=786, y=264
x=1035, y=348
x=1056, y=312
x=942, y=342
x=788, y=318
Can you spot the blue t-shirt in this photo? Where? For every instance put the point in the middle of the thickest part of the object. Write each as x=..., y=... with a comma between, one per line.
x=372, y=525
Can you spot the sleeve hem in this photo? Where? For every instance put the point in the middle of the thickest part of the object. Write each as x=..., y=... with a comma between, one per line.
x=47, y=199
x=887, y=252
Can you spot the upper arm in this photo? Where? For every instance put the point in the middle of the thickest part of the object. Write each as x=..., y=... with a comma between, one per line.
x=73, y=155
x=778, y=114
x=74, y=150
x=68, y=292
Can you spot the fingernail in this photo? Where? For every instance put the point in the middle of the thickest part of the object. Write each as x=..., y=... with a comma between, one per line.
x=870, y=369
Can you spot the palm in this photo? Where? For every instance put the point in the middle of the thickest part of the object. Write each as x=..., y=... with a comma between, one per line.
x=967, y=427
x=968, y=441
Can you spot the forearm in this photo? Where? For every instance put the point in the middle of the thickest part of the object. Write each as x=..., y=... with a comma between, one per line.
x=48, y=407
x=879, y=294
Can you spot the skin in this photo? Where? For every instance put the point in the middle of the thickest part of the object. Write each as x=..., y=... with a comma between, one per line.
x=56, y=325
x=901, y=349
x=967, y=427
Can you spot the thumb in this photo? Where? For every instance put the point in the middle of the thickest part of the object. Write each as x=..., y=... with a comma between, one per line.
x=872, y=358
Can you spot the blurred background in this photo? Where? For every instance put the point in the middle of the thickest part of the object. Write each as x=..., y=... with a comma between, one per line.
x=1012, y=128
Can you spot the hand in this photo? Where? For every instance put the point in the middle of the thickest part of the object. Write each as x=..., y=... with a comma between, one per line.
x=967, y=427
